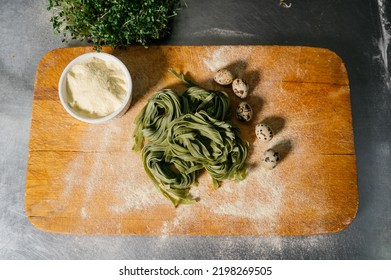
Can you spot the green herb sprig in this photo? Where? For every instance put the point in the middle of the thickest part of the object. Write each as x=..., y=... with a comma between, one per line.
x=112, y=22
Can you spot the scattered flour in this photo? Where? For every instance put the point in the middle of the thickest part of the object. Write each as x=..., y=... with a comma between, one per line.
x=384, y=40
x=87, y=174
x=257, y=202
x=263, y=208
x=222, y=56
x=83, y=213
x=184, y=214
x=225, y=33
x=134, y=197
x=217, y=59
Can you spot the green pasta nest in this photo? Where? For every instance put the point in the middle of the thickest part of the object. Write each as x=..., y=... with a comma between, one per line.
x=188, y=133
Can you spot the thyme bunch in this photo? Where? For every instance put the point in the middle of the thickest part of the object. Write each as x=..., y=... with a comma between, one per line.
x=112, y=22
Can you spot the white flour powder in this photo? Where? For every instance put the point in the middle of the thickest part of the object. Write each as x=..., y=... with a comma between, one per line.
x=256, y=200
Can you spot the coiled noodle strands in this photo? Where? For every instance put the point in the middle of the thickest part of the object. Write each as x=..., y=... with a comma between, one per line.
x=215, y=144
x=172, y=175
x=162, y=108
x=215, y=103
x=188, y=133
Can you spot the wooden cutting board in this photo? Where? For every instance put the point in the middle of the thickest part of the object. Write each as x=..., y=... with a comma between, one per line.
x=85, y=178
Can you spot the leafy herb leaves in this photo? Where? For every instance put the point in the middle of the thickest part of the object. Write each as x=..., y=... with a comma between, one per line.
x=112, y=22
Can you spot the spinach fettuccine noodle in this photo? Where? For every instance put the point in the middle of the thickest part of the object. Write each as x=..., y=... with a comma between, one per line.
x=185, y=134
x=153, y=120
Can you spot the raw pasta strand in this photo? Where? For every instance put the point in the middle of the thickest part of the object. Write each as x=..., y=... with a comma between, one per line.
x=162, y=108
x=170, y=176
x=215, y=103
x=214, y=144
x=185, y=134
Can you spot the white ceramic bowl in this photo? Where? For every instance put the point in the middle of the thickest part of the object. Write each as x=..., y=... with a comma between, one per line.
x=62, y=89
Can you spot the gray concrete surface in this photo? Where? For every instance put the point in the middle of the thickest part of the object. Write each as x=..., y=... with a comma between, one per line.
x=358, y=30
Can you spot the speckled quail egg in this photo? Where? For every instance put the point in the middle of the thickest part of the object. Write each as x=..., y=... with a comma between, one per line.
x=240, y=88
x=223, y=77
x=244, y=112
x=263, y=132
x=270, y=159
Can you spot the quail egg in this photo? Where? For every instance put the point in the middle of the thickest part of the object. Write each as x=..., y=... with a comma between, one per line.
x=244, y=112
x=270, y=159
x=240, y=88
x=223, y=77
x=263, y=132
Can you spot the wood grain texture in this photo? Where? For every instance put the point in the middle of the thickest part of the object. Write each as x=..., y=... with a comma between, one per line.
x=85, y=178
